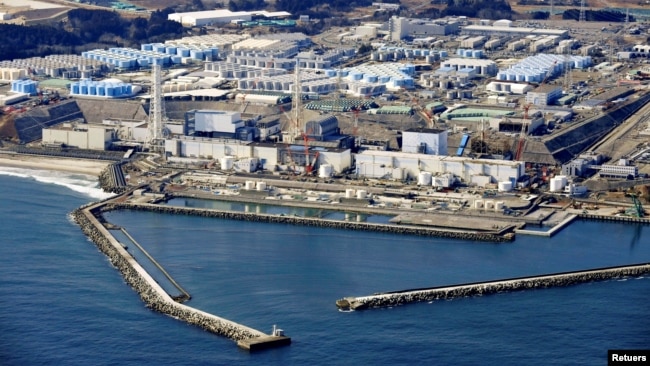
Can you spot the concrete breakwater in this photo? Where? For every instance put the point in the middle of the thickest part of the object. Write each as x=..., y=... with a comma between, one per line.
x=152, y=294
x=306, y=221
x=490, y=287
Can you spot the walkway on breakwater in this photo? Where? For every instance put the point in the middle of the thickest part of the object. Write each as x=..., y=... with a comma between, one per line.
x=315, y=222
x=395, y=298
x=90, y=220
x=554, y=230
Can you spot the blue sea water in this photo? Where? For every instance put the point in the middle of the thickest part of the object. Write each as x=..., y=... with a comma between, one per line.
x=61, y=302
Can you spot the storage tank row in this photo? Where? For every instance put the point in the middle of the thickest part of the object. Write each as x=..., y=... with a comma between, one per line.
x=469, y=53
x=57, y=65
x=497, y=206
x=11, y=73
x=25, y=86
x=101, y=89
x=386, y=54
x=536, y=68
x=183, y=51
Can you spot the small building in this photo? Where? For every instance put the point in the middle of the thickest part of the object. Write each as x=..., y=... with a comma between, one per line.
x=425, y=141
x=79, y=135
x=544, y=95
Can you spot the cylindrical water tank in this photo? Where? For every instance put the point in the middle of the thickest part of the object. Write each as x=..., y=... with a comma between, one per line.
x=261, y=186
x=361, y=194
x=489, y=204
x=325, y=171
x=498, y=206
x=250, y=185
x=478, y=204
x=505, y=186
x=227, y=162
x=424, y=178
x=556, y=184
x=349, y=193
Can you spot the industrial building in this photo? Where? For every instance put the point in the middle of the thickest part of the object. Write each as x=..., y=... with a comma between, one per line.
x=401, y=166
x=425, y=141
x=504, y=30
x=80, y=135
x=400, y=27
x=544, y=95
x=508, y=88
x=221, y=16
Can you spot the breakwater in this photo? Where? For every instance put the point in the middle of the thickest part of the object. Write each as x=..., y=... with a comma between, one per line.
x=153, y=295
x=307, y=221
x=490, y=287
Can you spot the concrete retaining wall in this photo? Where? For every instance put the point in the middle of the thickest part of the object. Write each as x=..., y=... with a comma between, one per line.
x=292, y=220
x=492, y=287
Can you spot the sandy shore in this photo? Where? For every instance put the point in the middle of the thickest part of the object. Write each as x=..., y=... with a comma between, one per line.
x=70, y=165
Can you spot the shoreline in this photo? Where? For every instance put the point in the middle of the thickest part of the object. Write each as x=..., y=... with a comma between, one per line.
x=60, y=164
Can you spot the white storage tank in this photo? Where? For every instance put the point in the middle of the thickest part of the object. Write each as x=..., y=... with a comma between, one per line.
x=489, y=205
x=424, y=179
x=478, y=204
x=498, y=206
x=556, y=184
x=505, y=186
x=227, y=162
x=261, y=186
x=362, y=194
x=250, y=185
x=349, y=193
x=325, y=171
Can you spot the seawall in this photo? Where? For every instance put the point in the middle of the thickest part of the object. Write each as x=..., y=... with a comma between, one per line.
x=306, y=221
x=490, y=287
x=151, y=293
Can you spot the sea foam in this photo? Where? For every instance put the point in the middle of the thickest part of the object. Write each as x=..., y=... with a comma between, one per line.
x=80, y=183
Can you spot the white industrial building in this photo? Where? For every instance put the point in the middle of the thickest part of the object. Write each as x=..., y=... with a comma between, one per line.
x=216, y=121
x=544, y=95
x=79, y=135
x=269, y=156
x=400, y=27
x=508, y=88
x=220, y=16
x=501, y=30
x=400, y=166
x=541, y=66
x=425, y=141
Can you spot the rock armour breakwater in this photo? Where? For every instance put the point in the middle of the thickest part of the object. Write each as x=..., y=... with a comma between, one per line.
x=306, y=221
x=152, y=295
x=491, y=287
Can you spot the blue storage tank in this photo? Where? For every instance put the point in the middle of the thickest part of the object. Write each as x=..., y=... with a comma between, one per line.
x=343, y=73
x=129, y=89
x=176, y=59
x=468, y=53
x=83, y=89
x=110, y=90
x=370, y=78
x=477, y=53
x=146, y=47
x=183, y=52
x=170, y=50
x=443, y=54
x=159, y=48
x=384, y=79
x=330, y=73
x=92, y=89
x=74, y=88
x=101, y=89
x=143, y=62
x=460, y=52
x=197, y=54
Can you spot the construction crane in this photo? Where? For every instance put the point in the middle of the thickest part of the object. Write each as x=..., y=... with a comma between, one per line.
x=522, y=136
x=637, y=209
x=308, y=167
x=548, y=73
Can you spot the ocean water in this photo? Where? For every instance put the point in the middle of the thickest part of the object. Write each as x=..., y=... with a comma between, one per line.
x=61, y=302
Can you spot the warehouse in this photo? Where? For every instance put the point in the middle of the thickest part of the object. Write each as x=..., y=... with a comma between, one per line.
x=221, y=16
x=400, y=166
x=80, y=135
x=482, y=67
x=400, y=27
x=495, y=30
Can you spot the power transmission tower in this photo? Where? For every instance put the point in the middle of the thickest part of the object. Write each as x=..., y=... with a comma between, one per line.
x=583, y=17
x=156, y=112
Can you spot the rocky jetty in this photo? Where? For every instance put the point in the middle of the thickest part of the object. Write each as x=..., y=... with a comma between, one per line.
x=152, y=295
x=492, y=287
